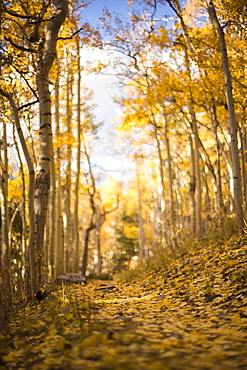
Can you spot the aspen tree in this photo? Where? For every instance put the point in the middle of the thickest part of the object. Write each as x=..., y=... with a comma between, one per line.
x=190, y=48
x=68, y=181
x=58, y=252
x=141, y=252
x=47, y=55
x=23, y=248
x=238, y=202
x=5, y=248
x=215, y=124
x=78, y=158
x=91, y=188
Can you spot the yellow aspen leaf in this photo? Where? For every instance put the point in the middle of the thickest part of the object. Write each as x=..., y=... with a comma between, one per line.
x=49, y=361
x=52, y=332
x=158, y=366
x=237, y=320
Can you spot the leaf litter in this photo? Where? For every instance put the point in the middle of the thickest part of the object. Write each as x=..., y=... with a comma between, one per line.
x=191, y=314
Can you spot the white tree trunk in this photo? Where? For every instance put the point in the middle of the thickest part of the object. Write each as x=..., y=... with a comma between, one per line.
x=78, y=158
x=46, y=58
x=233, y=128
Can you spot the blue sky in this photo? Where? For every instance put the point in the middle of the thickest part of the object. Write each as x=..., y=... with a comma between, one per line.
x=94, y=10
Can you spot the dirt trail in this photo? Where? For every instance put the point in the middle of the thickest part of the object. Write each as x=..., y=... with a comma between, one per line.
x=190, y=315
x=145, y=326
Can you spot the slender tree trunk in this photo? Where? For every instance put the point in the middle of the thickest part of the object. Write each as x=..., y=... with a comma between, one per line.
x=5, y=248
x=98, y=268
x=58, y=267
x=237, y=190
x=192, y=187
x=24, y=250
x=86, y=246
x=68, y=223
x=92, y=225
x=163, y=232
x=218, y=179
x=175, y=5
x=100, y=219
x=170, y=185
x=195, y=138
x=141, y=252
x=59, y=257
x=78, y=158
x=52, y=220
x=46, y=58
x=243, y=137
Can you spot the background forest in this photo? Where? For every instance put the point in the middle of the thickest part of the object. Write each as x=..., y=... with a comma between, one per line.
x=181, y=124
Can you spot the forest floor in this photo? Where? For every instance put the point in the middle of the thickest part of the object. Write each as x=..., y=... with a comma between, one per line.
x=190, y=314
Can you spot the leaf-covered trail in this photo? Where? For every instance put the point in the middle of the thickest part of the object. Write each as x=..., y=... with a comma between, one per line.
x=191, y=315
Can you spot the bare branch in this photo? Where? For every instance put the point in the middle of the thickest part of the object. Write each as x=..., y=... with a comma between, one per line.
x=21, y=16
x=71, y=37
x=28, y=104
x=23, y=48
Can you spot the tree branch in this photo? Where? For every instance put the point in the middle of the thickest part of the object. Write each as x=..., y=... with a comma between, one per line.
x=71, y=37
x=23, y=48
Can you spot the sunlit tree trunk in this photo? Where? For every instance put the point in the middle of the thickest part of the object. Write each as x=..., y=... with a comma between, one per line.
x=141, y=252
x=170, y=184
x=237, y=190
x=5, y=249
x=163, y=233
x=98, y=267
x=92, y=225
x=195, y=139
x=47, y=55
x=243, y=138
x=52, y=219
x=78, y=159
x=24, y=251
x=67, y=211
x=192, y=187
x=100, y=219
x=219, y=199
x=176, y=6
x=59, y=255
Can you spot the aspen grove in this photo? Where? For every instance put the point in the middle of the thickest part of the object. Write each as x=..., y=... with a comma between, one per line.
x=181, y=127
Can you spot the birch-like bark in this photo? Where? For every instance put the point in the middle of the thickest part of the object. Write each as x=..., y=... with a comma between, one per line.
x=92, y=225
x=5, y=284
x=78, y=158
x=162, y=183
x=24, y=250
x=52, y=220
x=195, y=138
x=170, y=184
x=68, y=193
x=243, y=138
x=218, y=179
x=141, y=251
x=192, y=188
x=47, y=54
x=233, y=128
x=59, y=255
